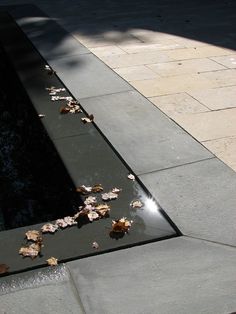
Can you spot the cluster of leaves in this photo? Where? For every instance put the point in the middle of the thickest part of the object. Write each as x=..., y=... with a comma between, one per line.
x=34, y=245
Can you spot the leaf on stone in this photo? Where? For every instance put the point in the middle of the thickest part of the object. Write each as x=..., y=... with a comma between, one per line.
x=49, y=228
x=121, y=225
x=52, y=261
x=84, y=189
x=3, y=269
x=95, y=245
x=91, y=200
x=136, y=204
x=88, y=119
x=131, y=177
x=34, y=235
x=66, y=222
x=32, y=250
x=97, y=188
x=109, y=196
x=116, y=190
x=103, y=209
x=64, y=110
x=92, y=215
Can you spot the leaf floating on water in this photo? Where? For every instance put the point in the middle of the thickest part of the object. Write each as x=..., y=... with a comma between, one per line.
x=41, y=115
x=97, y=188
x=95, y=245
x=84, y=189
x=66, y=222
x=91, y=200
x=136, y=204
x=121, y=225
x=103, y=209
x=52, y=261
x=34, y=235
x=92, y=215
x=131, y=177
x=89, y=119
x=50, y=228
x=109, y=196
x=32, y=250
x=3, y=269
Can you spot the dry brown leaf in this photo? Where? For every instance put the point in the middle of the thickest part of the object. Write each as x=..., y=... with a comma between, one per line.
x=88, y=119
x=84, y=189
x=49, y=70
x=95, y=245
x=32, y=250
x=64, y=110
x=131, y=177
x=3, y=269
x=102, y=209
x=92, y=215
x=91, y=200
x=97, y=188
x=121, y=225
x=136, y=204
x=52, y=261
x=109, y=196
x=65, y=222
x=50, y=228
x=116, y=190
x=34, y=235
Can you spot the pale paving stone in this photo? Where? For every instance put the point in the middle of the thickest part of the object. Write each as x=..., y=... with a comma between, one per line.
x=188, y=43
x=172, y=85
x=185, y=67
x=143, y=47
x=120, y=61
x=107, y=51
x=140, y=72
x=177, y=103
x=220, y=78
x=227, y=61
x=198, y=52
x=148, y=36
x=224, y=149
x=209, y=125
x=216, y=98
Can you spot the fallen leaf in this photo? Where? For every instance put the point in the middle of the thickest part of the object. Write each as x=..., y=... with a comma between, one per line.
x=34, y=235
x=131, y=177
x=31, y=251
x=56, y=98
x=92, y=215
x=97, y=188
x=89, y=119
x=91, y=200
x=65, y=222
x=49, y=70
x=102, y=209
x=64, y=110
x=50, y=228
x=136, y=204
x=116, y=190
x=95, y=245
x=52, y=261
x=109, y=196
x=3, y=269
x=41, y=115
x=121, y=225
x=84, y=189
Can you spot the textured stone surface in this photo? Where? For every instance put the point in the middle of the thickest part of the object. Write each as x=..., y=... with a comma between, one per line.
x=179, y=275
x=199, y=198
x=227, y=61
x=143, y=135
x=87, y=76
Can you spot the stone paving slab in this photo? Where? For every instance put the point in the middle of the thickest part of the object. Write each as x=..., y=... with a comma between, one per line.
x=86, y=76
x=142, y=134
x=48, y=290
x=227, y=61
x=199, y=198
x=180, y=275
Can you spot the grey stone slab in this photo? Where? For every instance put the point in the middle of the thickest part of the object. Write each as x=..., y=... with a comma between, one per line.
x=46, y=34
x=146, y=138
x=87, y=76
x=178, y=275
x=42, y=291
x=200, y=198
